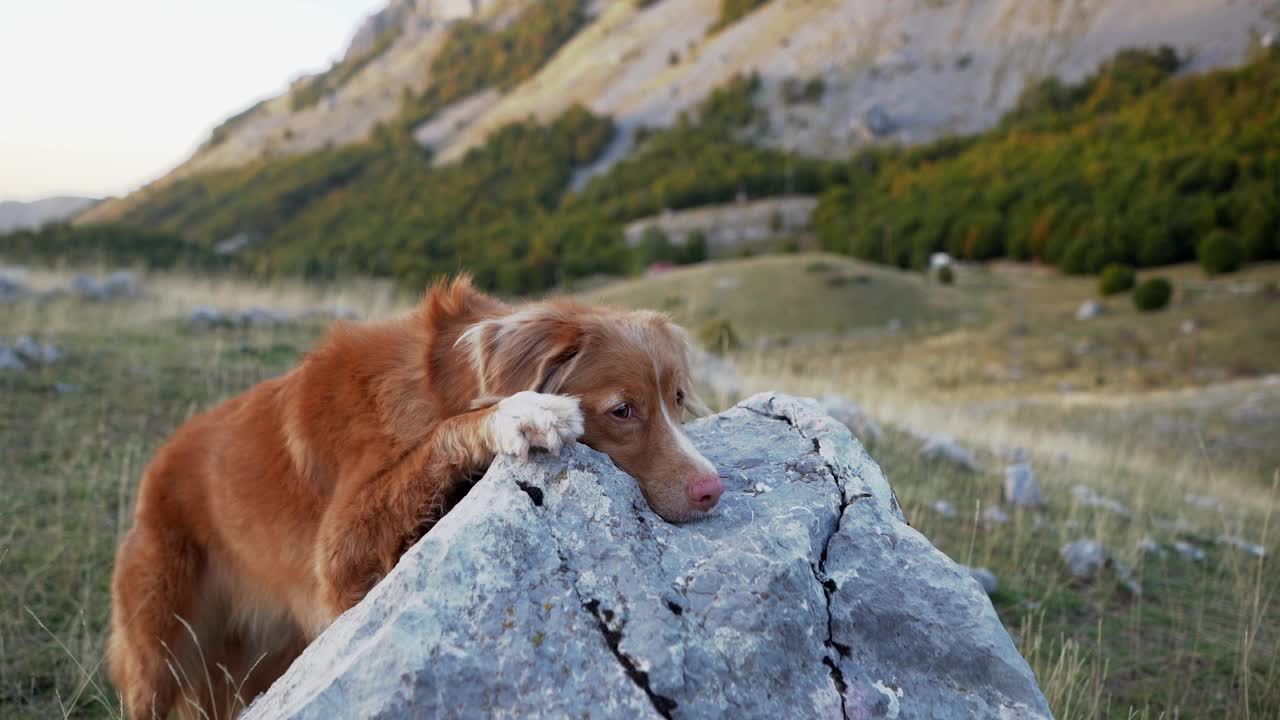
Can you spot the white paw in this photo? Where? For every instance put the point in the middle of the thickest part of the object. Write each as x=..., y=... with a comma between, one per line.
x=534, y=420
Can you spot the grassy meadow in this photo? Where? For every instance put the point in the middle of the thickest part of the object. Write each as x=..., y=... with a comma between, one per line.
x=1142, y=408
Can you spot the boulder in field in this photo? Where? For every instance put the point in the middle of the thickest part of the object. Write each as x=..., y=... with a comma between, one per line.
x=862, y=425
x=1084, y=558
x=1090, y=309
x=942, y=449
x=1020, y=486
x=552, y=590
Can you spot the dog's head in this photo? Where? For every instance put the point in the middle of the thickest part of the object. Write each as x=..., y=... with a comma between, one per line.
x=629, y=371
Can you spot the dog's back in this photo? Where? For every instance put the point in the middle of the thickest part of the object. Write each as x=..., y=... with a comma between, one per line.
x=260, y=520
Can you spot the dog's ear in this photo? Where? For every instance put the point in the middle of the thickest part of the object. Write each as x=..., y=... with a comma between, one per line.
x=535, y=349
x=691, y=355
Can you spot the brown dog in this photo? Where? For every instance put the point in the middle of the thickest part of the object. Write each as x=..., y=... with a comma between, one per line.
x=261, y=520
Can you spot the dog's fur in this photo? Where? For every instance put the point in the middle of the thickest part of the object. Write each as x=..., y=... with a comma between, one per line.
x=261, y=520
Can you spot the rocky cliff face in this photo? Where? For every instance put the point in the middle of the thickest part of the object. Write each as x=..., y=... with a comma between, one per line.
x=552, y=590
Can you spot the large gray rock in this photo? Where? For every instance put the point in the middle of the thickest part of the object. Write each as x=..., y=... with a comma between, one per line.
x=552, y=590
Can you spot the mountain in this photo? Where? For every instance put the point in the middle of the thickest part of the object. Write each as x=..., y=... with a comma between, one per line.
x=19, y=215
x=834, y=74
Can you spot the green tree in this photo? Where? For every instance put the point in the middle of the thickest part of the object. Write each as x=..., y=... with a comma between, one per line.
x=1153, y=294
x=1218, y=253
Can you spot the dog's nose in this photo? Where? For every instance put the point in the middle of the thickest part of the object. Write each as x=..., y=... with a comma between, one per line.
x=704, y=490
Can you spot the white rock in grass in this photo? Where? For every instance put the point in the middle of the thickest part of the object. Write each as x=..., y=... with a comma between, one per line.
x=994, y=516
x=940, y=448
x=1128, y=577
x=1090, y=309
x=1189, y=551
x=205, y=317
x=12, y=287
x=1020, y=486
x=944, y=508
x=985, y=578
x=262, y=317
x=1180, y=525
x=1089, y=497
x=9, y=360
x=36, y=353
x=1205, y=502
x=1148, y=546
x=863, y=427
x=1084, y=558
x=1244, y=545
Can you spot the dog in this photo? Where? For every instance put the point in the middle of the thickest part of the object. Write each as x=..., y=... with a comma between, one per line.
x=260, y=521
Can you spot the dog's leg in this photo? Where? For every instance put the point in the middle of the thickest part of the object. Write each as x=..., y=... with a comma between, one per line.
x=364, y=530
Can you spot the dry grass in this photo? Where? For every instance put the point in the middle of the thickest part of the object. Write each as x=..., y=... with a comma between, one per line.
x=1202, y=641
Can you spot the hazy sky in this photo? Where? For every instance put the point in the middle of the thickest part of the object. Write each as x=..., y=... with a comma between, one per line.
x=99, y=96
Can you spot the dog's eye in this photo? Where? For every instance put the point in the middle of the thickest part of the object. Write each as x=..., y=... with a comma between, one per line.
x=680, y=398
x=622, y=412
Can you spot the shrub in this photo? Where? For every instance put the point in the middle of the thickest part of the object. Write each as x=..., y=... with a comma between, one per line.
x=696, y=248
x=946, y=275
x=1218, y=253
x=1116, y=278
x=718, y=336
x=1153, y=294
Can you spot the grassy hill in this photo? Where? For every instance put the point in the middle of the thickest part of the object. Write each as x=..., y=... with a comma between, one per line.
x=791, y=296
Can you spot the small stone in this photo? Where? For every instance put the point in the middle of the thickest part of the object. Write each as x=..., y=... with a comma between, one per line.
x=852, y=416
x=1180, y=526
x=12, y=287
x=205, y=317
x=9, y=360
x=35, y=353
x=65, y=388
x=1020, y=486
x=1089, y=497
x=1084, y=558
x=1204, y=502
x=1244, y=545
x=1189, y=551
x=940, y=448
x=1148, y=546
x=116, y=285
x=1128, y=578
x=985, y=578
x=261, y=317
x=1090, y=309
x=993, y=516
x=944, y=508
x=1189, y=327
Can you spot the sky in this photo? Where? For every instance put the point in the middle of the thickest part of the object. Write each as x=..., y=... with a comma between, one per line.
x=97, y=97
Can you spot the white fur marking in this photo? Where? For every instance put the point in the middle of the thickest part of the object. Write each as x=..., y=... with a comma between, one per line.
x=474, y=337
x=534, y=420
x=677, y=431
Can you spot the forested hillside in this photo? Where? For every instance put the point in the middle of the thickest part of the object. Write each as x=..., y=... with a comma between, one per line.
x=1135, y=165
x=1132, y=166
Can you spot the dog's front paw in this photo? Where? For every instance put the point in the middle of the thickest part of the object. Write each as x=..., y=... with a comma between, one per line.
x=534, y=420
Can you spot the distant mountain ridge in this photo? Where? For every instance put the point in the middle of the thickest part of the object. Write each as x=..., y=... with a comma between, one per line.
x=835, y=74
x=16, y=215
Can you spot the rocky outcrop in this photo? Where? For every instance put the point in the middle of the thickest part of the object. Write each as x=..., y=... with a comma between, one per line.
x=552, y=590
